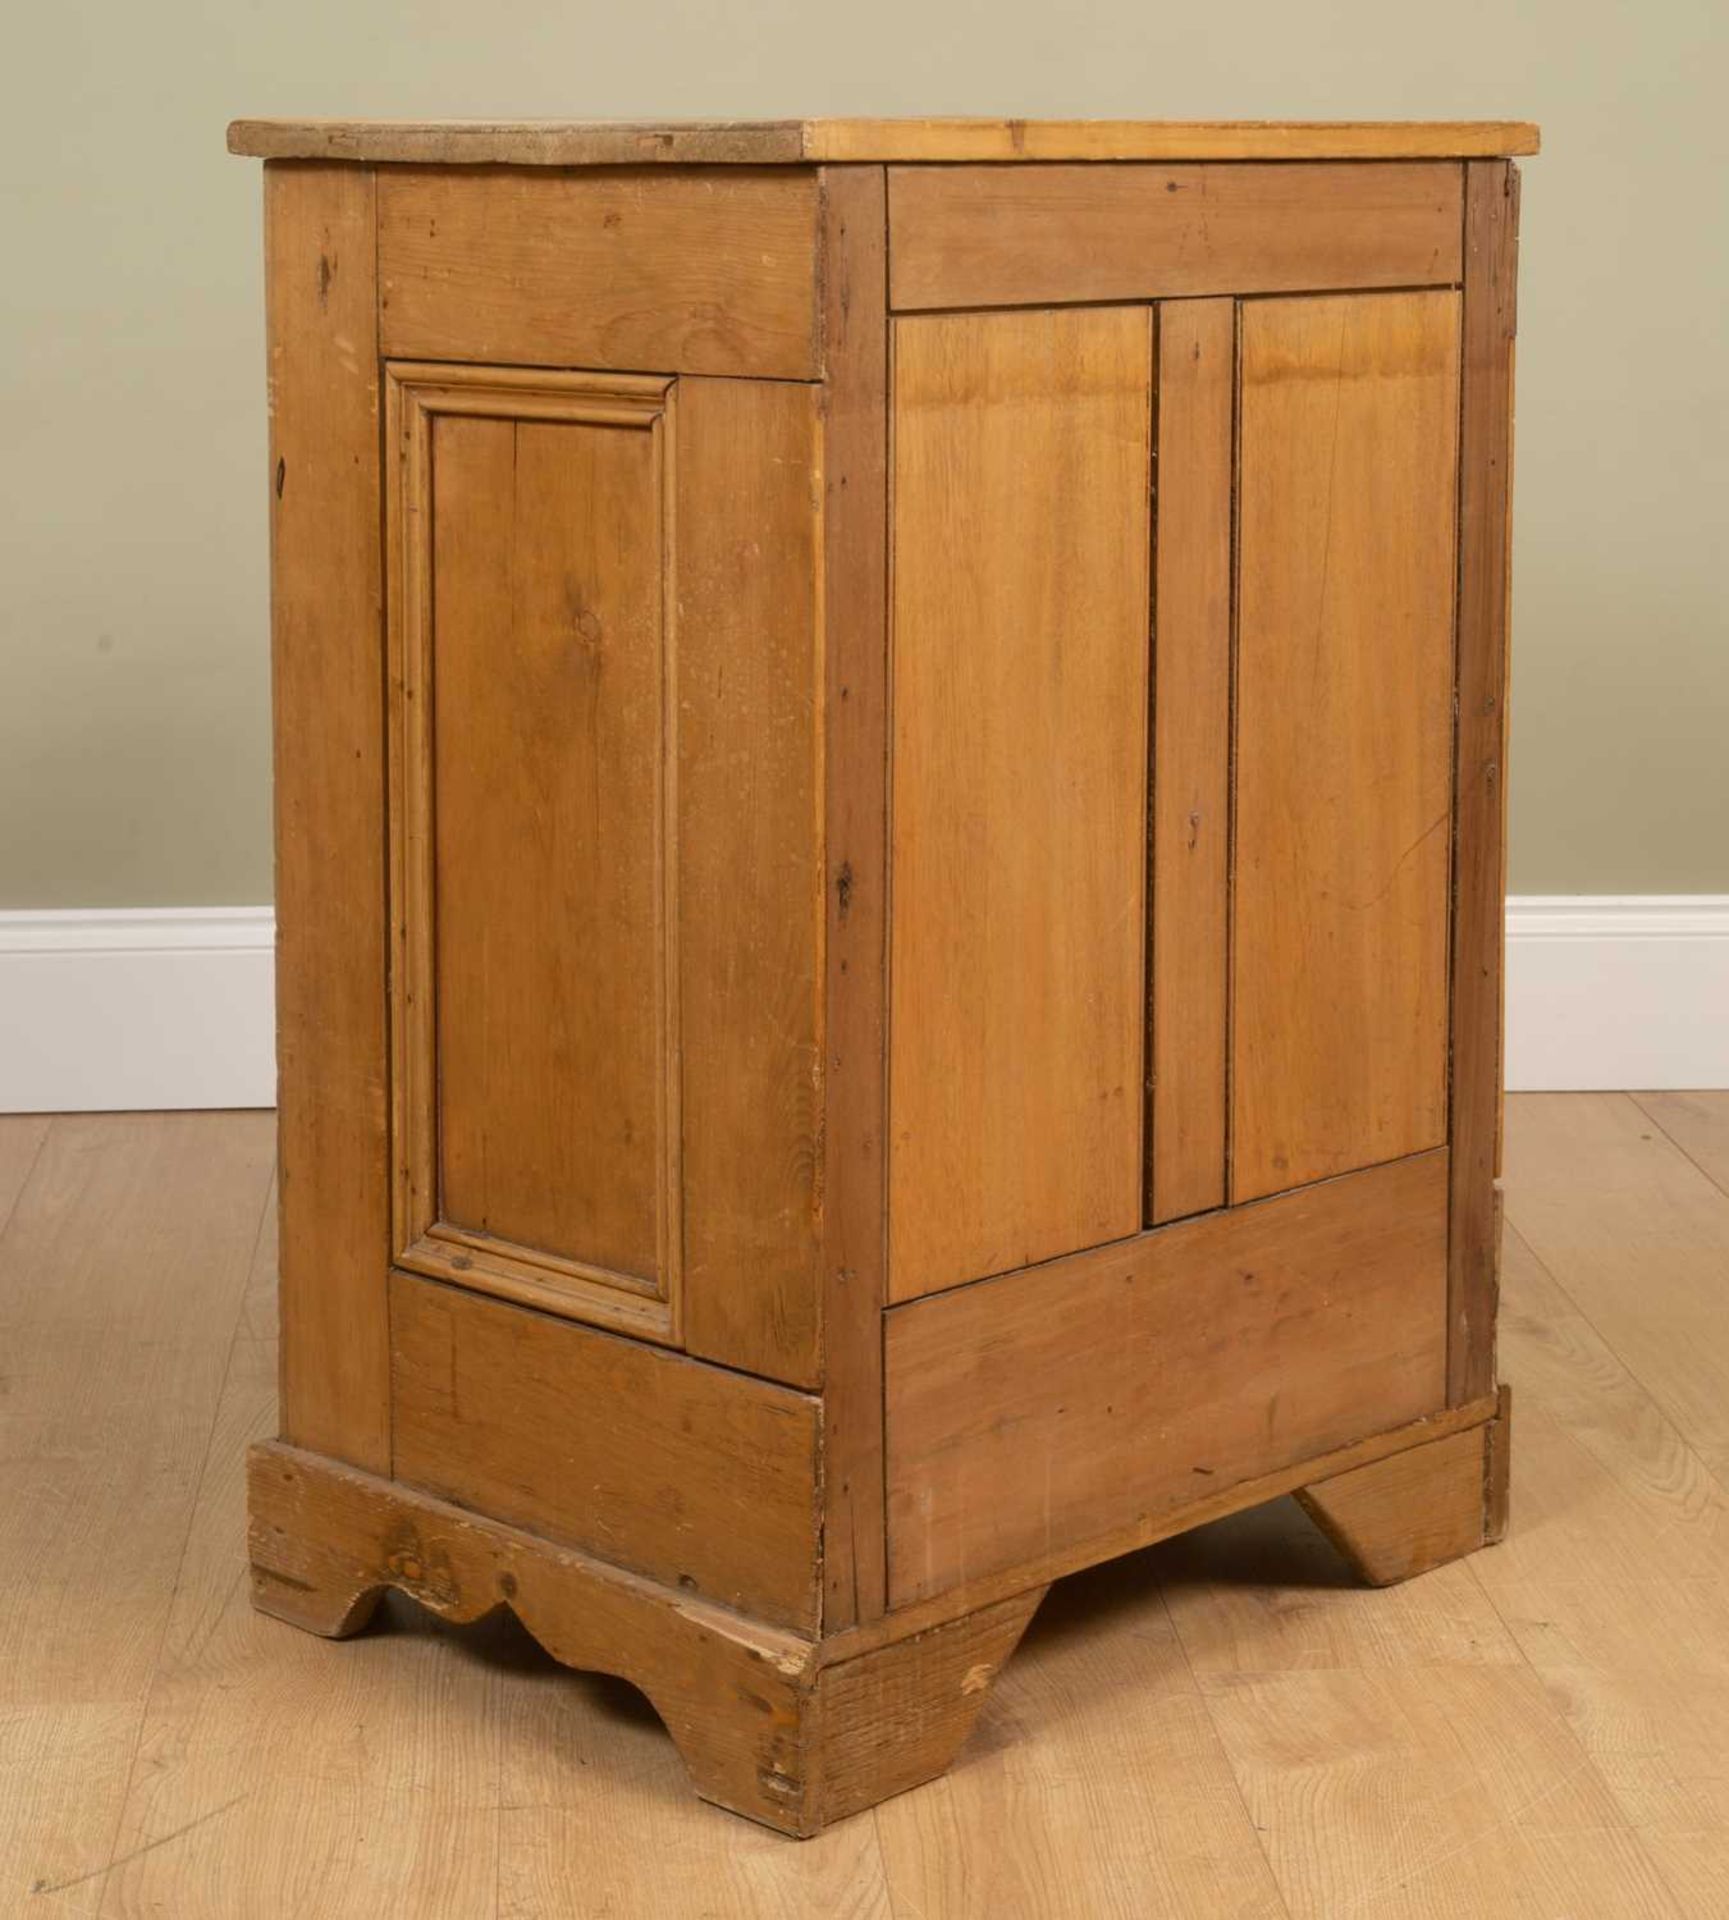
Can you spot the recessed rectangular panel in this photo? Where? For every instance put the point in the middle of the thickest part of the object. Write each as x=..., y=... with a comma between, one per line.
x=1018, y=766
x=547, y=753
x=605, y=865
x=533, y=880
x=1348, y=426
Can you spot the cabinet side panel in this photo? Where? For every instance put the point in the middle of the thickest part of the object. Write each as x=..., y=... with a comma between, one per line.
x=1037, y=1411
x=1480, y=871
x=1017, y=997
x=1348, y=423
x=547, y=663
x=1191, y=768
x=328, y=678
x=855, y=857
x=695, y=1475
x=749, y=869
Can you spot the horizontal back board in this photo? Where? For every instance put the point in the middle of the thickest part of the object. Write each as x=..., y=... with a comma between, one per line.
x=1032, y=1412
x=1034, y=236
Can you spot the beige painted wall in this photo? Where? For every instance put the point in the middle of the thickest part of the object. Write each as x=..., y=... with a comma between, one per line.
x=134, y=763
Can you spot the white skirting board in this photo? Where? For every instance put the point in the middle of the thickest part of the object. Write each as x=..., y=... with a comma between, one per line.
x=1617, y=991
x=102, y=1011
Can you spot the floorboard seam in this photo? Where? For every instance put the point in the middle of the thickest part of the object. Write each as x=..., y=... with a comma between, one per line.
x=11, y=1212
x=1652, y=1399
x=192, y=1505
x=1680, y=1146
x=1278, y=1885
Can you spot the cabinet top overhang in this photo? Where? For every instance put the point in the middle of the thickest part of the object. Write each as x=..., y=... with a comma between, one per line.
x=613, y=143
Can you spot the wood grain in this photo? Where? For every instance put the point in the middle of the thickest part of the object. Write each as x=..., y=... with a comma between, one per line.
x=1615, y=1577
x=1191, y=766
x=688, y=272
x=1498, y=1471
x=1156, y=1526
x=1044, y=140
x=855, y=871
x=124, y=1266
x=728, y=1688
x=1016, y=236
x=1231, y=1589
x=244, y=1736
x=688, y=1473
x=1348, y=429
x=125, y=1261
x=583, y=143
x=1698, y=1123
x=1021, y=447
x=1608, y=1202
x=1415, y=1510
x=548, y=661
x=1095, y=1768
x=749, y=870
x=897, y=816
x=766, y=1724
x=1051, y=1405
x=1149, y=1786
x=653, y=1848
x=1480, y=857
x=1428, y=1684
x=327, y=684
x=520, y=1218
x=895, y=1717
x=625, y=1057
x=1431, y=1689
x=1500, y=1807
x=21, y=1138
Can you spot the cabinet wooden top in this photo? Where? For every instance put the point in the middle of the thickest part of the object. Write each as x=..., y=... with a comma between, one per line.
x=603, y=143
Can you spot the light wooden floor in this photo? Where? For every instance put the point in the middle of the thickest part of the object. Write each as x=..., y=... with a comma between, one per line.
x=1217, y=1727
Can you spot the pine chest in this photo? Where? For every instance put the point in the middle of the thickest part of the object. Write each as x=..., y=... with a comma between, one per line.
x=889, y=810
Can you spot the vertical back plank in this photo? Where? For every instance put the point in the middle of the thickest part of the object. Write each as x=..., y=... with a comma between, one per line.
x=1479, y=872
x=1017, y=987
x=1348, y=428
x=749, y=759
x=1191, y=770
x=328, y=680
x=855, y=864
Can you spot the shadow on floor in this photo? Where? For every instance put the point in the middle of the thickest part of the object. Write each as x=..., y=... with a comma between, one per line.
x=1275, y=1545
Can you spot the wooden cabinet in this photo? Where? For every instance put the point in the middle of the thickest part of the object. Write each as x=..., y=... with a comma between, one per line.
x=889, y=820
